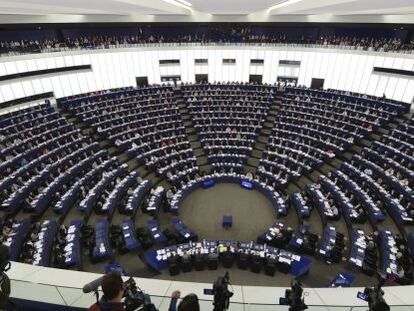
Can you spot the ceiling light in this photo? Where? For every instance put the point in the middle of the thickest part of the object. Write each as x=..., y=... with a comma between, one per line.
x=181, y=3
x=184, y=2
x=283, y=3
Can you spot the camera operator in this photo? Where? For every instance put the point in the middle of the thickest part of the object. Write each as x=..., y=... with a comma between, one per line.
x=113, y=289
x=189, y=302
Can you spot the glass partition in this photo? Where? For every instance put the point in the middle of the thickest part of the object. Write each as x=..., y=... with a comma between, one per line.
x=74, y=297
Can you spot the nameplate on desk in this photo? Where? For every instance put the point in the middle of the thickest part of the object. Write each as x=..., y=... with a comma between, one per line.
x=208, y=183
x=246, y=184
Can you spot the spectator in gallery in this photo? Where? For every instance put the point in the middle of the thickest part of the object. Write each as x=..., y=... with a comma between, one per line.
x=188, y=303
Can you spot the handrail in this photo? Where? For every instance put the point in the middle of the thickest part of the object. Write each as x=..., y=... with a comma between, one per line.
x=197, y=44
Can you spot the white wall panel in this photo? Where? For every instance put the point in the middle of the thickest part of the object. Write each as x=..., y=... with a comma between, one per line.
x=310, y=68
x=317, y=69
x=101, y=72
x=41, y=63
x=11, y=67
x=135, y=66
x=352, y=72
x=78, y=60
x=3, y=70
x=343, y=71
x=38, y=86
x=303, y=68
x=409, y=92
x=83, y=83
x=212, y=66
x=391, y=86
x=374, y=78
x=118, y=68
x=28, y=88
x=381, y=86
x=274, y=66
x=323, y=70
x=57, y=86
x=91, y=81
x=127, y=70
x=21, y=66
x=368, y=65
x=47, y=85
x=74, y=84
x=187, y=66
x=111, y=75
x=360, y=61
x=17, y=89
x=400, y=89
x=50, y=63
x=120, y=77
x=58, y=63
x=398, y=63
x=267, y=67
x=150, y=62
x=7, y=92
x=241, y=70
x=30, y=64
x=66, y=87
x=69, y=61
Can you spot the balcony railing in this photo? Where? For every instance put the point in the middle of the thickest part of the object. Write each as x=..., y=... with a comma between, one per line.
x=22, y=51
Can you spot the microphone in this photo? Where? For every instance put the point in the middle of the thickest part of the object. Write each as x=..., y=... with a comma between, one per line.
x=92, y=286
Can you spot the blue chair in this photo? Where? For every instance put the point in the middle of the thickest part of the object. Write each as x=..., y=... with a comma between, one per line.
x=227, y=221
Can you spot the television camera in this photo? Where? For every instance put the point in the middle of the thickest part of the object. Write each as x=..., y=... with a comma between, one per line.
x=134, y=298
x=221, y=293
x=293, y=297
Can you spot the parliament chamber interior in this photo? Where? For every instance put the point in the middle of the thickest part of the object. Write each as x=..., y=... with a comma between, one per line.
x=243, y=148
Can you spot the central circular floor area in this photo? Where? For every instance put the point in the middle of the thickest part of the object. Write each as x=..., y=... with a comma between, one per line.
x=203, y=211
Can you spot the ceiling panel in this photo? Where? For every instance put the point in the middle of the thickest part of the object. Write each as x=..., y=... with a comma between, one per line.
x=207, y=10
x=360, y=7
x=86, y=7
x=233, y=7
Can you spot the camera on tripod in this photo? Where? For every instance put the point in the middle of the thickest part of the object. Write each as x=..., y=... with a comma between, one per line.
x=136, y=299
x=375, y=296
x=293, y=297
x=221, y=293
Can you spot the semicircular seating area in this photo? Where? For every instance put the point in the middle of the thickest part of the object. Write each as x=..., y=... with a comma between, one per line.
x=101, y=177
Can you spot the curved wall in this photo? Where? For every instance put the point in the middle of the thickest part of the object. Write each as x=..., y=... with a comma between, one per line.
x=342, y=69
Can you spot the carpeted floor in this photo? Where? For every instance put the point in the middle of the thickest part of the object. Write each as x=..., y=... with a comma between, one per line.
x=203, y=211
x=252, y=212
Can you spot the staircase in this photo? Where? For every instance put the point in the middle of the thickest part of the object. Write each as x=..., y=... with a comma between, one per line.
x=202, y=161
x=263, y=138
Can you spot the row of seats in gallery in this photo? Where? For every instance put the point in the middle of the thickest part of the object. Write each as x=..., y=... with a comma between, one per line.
x=145, y=123
x=228, y=119
x=313, y=126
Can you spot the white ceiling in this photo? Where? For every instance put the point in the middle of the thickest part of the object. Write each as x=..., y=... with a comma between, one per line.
x=66, y=11
x=233, y=7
